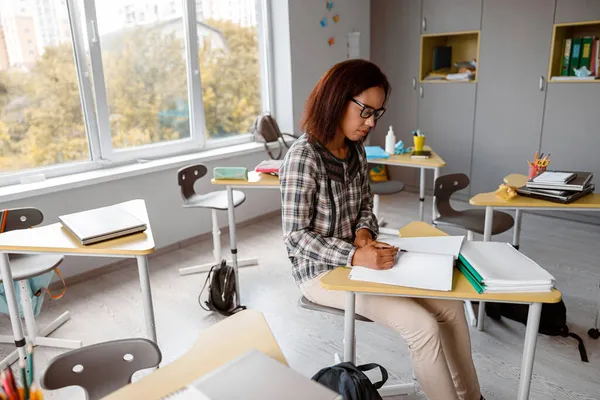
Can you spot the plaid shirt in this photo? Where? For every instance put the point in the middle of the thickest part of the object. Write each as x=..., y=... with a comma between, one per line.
x=324, y=201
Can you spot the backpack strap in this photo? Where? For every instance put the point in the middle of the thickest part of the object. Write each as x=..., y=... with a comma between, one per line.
x=581, y=346
x=384, y=373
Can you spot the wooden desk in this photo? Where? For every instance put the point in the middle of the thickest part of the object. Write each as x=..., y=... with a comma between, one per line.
x=435, y=162
x=338, y=279
x=55, y=239
x=214, y=347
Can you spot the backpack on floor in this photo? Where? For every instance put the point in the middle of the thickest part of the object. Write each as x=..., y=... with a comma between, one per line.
x=350, y=381
x=221, y=290
x=553, y=321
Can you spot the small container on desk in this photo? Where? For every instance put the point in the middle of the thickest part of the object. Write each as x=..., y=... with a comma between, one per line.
x=535, y=170
x=419, y=142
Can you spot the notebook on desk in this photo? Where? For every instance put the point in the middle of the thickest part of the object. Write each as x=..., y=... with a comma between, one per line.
x=254, y=376
x=100, y=224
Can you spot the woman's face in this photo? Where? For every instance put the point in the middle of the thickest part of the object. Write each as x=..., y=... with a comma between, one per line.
x=355, y=127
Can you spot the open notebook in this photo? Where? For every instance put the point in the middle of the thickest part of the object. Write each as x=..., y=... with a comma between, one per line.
x=426, y=263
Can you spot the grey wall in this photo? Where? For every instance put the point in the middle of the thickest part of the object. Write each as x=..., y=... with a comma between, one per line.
x=311, y=55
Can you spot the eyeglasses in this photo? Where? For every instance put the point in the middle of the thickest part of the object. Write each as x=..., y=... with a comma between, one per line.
x=367, y=111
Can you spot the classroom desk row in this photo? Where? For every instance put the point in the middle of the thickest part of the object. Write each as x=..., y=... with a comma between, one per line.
x=226, y=343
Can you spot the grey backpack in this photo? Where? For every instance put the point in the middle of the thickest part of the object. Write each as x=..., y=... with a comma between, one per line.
x=266, y=130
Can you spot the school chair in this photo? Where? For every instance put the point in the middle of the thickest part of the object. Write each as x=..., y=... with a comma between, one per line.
x=384, y=188
x=215, y=201
x=102, y=368
x=387, y=390
x=473, y=220
x=27, y=271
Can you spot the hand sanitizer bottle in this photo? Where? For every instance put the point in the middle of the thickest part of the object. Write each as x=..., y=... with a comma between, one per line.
x=390, y=142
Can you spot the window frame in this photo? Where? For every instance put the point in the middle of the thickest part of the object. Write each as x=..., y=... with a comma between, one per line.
x=93, y=98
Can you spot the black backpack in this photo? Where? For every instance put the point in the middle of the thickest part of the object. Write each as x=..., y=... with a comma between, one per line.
x=553, y=321
x=349, y=380
x=221, y=290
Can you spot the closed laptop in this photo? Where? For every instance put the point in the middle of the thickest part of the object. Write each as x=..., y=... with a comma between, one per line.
x=100, y=224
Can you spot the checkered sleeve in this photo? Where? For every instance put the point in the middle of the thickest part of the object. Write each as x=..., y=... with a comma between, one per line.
x=366, y=218
x=298, y=191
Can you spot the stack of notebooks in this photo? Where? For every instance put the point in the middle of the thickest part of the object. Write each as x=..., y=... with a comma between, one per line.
x=496, y=267
x=558, y=186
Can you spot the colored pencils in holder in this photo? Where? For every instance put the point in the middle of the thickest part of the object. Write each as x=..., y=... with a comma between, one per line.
x=24, y=378
x=30, y=362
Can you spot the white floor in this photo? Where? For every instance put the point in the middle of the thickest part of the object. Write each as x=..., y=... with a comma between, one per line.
x=109, y=307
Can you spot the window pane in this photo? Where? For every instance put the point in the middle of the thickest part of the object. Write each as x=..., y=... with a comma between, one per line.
x=143, y=55
x=229, y=65
x=41, y=121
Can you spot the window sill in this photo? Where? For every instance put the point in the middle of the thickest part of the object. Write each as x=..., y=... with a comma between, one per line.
x=52, y=185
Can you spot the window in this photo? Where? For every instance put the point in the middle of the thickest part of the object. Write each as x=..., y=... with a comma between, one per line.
x=41, y=122
x=110, y=87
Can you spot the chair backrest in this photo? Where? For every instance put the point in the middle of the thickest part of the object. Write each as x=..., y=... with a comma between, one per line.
x=445, y=187
x=21, y=218
x=101, y=368
x=187, y=177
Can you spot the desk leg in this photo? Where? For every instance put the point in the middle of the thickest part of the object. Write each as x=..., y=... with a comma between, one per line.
x=517, y=229
x=533, y=323
x=436, y=174
x=349, y=345
x=233, y=242
x=487, y=236
x=142, y=262
x=421, y=193
x=13, y=308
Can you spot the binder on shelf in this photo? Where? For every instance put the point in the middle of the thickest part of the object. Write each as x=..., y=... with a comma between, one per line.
x=575, y=56
x=564, y=71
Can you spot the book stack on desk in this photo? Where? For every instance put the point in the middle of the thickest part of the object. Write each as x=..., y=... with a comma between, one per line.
x=496, y=267
x=559, y=186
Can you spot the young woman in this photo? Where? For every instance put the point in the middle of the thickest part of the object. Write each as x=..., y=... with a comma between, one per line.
x=328, y=222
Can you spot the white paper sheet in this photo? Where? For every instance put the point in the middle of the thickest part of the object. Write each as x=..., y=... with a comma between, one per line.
x=447, y=245
x=417, y=270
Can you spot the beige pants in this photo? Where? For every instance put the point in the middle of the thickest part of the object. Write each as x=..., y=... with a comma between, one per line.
x=436, y=332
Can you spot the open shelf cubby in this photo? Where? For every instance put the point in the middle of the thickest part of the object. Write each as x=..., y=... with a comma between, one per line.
x=465, y=47
x=566, y=31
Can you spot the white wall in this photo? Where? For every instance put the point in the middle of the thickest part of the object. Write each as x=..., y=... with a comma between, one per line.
x=311, y=55
x=301, y=56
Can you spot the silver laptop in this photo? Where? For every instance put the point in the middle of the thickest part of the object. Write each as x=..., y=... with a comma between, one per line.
x=100, y=224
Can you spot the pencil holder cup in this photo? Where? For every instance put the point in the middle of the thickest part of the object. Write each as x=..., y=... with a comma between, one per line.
x=419, y=142
x=534, y=171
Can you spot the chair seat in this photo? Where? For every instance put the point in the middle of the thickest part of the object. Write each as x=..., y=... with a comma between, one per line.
x=303, y=302
x=474, y=220
x=387, y=187
x=215, y=200
x=25, y=266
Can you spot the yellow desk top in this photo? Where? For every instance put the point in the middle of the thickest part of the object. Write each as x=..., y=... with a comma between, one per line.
x=254, y=179
x=214, y=347
x=404, y=159
x=56, y=239
x=590, y=201
x=339, y=279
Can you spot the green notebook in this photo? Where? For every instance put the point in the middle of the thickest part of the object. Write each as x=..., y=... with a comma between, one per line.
x=479, y=287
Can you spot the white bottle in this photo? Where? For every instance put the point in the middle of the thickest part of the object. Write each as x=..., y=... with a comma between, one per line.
x=390, y=142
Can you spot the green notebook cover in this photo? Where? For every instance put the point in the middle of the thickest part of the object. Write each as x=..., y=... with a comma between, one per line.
x=468, y=265
x=575, y=55
x=586, y=52
x=479, y=288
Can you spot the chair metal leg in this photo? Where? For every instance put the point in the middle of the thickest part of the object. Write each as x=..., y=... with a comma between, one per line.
x=470, y=313
x=217, y=253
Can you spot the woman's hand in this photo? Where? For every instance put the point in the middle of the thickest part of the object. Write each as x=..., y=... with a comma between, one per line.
x=363, y=238
x=375, y=255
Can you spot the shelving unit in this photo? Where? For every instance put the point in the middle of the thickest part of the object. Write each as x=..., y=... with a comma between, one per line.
x=465, y=47
x=559, y=34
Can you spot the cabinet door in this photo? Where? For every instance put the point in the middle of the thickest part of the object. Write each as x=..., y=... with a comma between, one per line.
x=446, y=113
x=577, y=10
x=451, y=15
x=571, y=127
x=395, y=49
x=510, y=97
